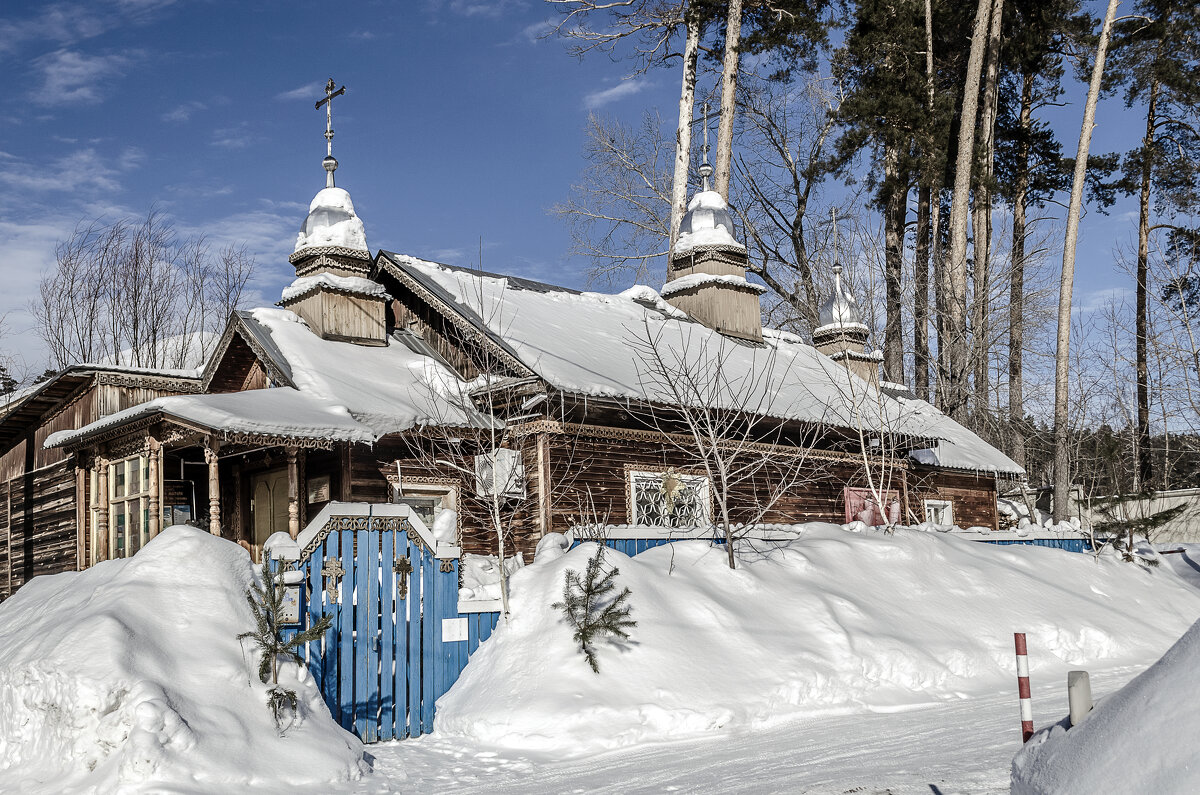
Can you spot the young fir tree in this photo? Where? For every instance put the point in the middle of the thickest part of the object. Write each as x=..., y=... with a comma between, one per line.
x=266, y=603
x=591, y=609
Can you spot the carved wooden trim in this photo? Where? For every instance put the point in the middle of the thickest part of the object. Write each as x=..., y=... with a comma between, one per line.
x=339, y=251
x=557, y=428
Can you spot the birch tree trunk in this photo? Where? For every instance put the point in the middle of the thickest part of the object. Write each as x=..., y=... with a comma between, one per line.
x=1062, y=436
x=1145, y=468
x=729, y=73
x=957, y=365
x=983, y=210
x=1016, y=302
x=683, y=131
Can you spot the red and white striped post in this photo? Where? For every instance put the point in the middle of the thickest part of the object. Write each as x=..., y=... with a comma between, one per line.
x=1023, y=687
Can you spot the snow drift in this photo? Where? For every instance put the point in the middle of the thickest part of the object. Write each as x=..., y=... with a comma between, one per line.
x=1143, y=738
x=130, y=676
x=833, y=621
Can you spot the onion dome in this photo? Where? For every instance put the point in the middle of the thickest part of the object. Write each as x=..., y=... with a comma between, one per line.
x=331, y=222
x=840, y=308
x=706, y=223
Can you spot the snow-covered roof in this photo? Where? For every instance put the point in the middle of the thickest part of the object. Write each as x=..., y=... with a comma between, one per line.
x=343, y=392
x=959, y=447
x=355, y=285
x=594, y=344
x=182, y=355
x=331, y=221
x=693, y=280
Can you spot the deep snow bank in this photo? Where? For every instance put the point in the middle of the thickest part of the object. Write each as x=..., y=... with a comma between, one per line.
x=832, y=621
x=1143, y=738
x=129, y=675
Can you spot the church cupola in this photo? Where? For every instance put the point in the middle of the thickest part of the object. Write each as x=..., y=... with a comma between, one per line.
x=842, y=336
x=707, y=271
x=331, y=291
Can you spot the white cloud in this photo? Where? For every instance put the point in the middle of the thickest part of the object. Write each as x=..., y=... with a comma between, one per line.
x=312, y=91
x=83, y=170
x=238, y=136
x=70, y=78
x=184, y=112
x=533, y=33
x=626, y=88
x=69, y=23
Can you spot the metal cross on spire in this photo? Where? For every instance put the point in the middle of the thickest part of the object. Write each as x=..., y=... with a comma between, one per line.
x=705, y=168
x=330, y=162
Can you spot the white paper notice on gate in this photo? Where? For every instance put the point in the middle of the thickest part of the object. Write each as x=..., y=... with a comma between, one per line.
x=454, y=629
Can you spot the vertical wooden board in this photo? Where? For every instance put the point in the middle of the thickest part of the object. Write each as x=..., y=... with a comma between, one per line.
x=414, y=641
x=346, y=632
x=329, y=677
x=485, y=629
x=400, y=682
x=373, y=637
x=473, y=632
x=362, y=634
x=430, y=634
x=447, y=608
x=387, y=655
x=315, y=611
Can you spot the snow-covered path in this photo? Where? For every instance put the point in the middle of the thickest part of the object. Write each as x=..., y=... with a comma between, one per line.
x=963, y=746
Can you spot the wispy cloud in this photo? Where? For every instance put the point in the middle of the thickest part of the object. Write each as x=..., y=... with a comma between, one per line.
x=606, y=96
x=484, y=8
x=67, y=23
x=307, y=91
x=73, y=78
x=239, y=136
x=184, y=112
x=532, y=34
x=447, y=255
x=84, y=170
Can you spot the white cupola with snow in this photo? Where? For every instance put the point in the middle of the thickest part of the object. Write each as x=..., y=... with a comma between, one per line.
x=707, y=272
x=842, y=336
x=332, y=291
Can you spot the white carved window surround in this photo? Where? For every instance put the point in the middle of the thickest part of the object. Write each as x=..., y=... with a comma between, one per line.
x=667, y=498
x=940, y=512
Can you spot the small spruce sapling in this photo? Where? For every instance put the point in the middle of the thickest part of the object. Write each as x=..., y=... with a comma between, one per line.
x=266, y=603
x=592, y=610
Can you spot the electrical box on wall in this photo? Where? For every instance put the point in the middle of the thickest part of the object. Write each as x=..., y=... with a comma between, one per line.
x=500, y=472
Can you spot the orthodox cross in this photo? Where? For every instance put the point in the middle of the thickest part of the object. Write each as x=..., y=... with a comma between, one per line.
x=705, y=168
x=333, y=570
x=330, y=162
x=403, y=568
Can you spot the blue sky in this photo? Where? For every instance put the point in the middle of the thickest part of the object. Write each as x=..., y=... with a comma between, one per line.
x=459, y=125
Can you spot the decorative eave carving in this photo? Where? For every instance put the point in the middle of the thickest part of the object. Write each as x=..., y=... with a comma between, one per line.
x=338, y=251
x=181, y=384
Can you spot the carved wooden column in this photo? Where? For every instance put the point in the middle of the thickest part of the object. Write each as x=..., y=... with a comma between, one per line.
x=211, y=448
x=293, y=493
x=81, y=515
x=101, y=509
x=154, y=501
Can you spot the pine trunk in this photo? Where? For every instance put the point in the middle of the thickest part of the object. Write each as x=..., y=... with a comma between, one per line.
x=921, y=296
x=980, y=304
x=957, y=365
x=1016, y=301
x=683, y=130
x=895, y=214
x=1144, y=455
x=1062, y=431
x=729, y=72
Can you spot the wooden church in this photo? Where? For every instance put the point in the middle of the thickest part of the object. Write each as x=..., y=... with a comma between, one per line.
x=383, y=378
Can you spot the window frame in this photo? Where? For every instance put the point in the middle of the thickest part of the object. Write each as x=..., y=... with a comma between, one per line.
x=947, y=505
x=704, y=495
x=425, y=488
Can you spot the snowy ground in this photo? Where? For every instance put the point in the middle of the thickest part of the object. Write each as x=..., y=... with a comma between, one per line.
x=959, y=747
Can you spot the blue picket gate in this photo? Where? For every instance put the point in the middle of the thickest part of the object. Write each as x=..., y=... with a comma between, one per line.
x=397, y=641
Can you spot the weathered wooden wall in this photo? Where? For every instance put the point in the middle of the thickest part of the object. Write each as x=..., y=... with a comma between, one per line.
x=973, y=495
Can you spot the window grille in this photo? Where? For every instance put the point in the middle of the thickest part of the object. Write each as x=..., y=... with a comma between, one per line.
x=669, y=499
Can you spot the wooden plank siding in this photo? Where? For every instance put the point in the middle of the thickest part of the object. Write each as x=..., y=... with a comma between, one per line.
x=973, y=495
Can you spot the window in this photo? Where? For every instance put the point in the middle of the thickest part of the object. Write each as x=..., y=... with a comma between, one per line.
x=668, y=499
x=427, y=499
x=940, y=512
x=128, y=507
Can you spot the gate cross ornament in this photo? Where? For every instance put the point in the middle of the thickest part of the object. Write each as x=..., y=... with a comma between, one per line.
x=333, y=570
x=403, y=568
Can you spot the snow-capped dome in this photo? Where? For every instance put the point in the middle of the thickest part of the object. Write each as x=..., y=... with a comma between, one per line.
x=840, y=308
x=331, y=222
x=706, y=223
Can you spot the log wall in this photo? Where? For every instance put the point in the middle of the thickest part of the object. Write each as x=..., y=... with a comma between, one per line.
x=973, y=495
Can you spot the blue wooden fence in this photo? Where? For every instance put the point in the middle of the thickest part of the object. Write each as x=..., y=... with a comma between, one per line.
x=384, y=662
x=1069, y=544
